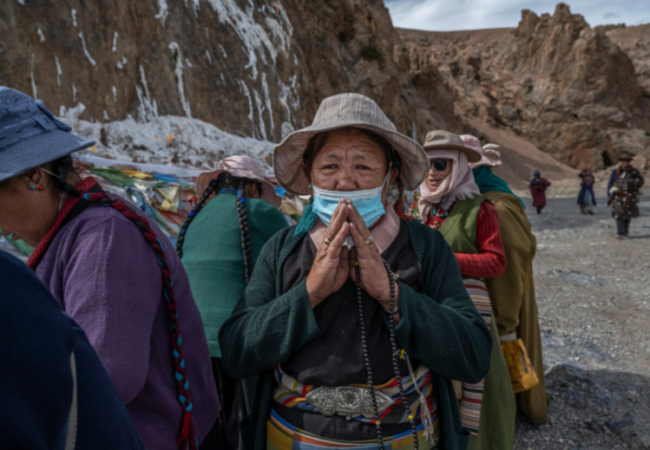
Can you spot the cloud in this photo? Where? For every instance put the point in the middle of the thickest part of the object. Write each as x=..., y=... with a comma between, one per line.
x=611, y=15
x=446, y=15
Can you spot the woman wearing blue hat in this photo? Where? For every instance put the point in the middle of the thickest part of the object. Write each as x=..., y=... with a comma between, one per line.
x=113, y=271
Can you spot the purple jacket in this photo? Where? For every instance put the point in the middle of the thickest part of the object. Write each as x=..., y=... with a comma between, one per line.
x=105, y=276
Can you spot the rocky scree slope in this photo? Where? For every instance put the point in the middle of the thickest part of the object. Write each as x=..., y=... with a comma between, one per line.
x=553, y=80
x=253, y=68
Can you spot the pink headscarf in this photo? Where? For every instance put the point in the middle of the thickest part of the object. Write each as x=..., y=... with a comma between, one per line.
x=459, y=185
x=473, y=143
x=240, y=166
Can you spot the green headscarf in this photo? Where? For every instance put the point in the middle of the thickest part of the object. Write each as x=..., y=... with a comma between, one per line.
x=486, y=180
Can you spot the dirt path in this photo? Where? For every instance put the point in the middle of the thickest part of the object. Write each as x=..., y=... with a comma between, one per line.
x=593, y=294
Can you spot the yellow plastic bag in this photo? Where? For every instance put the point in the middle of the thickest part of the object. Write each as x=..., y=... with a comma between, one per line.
x=522, y=373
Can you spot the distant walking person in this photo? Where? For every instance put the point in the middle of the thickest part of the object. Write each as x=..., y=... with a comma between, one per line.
x=586, y=198
x=538, y=188
x=623, y=194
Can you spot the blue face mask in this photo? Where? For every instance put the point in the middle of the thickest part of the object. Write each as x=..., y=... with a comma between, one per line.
x=367, y=202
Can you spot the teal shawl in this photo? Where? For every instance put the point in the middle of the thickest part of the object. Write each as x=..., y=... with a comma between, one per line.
x=486, y=180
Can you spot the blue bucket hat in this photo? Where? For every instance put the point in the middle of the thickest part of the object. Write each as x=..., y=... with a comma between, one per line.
x=30, y=135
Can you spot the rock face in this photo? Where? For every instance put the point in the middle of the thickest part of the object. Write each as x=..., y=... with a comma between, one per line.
x=635, y=41
x=257, y=68
x=554, y=80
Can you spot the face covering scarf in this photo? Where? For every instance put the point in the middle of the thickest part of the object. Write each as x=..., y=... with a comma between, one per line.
x=368, y=203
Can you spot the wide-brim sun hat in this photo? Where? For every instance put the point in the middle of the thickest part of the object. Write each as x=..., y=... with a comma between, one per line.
x=240, y=166
x=473, y=143
x=444, y=140
x=346, y=111
x=30, y=135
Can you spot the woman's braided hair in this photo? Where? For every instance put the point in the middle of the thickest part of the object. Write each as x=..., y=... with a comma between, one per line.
x=180, y=240
x=216, y=185
x=187, y=438
x=245, y=232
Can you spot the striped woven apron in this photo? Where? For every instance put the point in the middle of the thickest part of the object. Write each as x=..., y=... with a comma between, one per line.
x=290, y=393
x=472, y=397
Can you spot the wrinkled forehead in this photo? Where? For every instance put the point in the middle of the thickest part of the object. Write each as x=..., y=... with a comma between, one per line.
x=350, y=144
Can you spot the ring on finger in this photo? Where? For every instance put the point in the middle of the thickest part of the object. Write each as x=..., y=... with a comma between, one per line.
x=327, y=241
x=369, y=240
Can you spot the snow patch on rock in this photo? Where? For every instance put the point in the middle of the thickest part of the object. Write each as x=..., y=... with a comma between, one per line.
x=148, y=109
x=59, y=72
x=177, y=58
x=163, y=11
x=168, y=140
x=252, y=34
x=83, y=43
x=34, y=90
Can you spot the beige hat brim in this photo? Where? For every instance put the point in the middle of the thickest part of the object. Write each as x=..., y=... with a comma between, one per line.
x=472, y=155
x=289, y=166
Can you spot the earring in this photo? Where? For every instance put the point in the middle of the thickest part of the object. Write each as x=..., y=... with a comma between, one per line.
x=309, y=187
x=33, y=186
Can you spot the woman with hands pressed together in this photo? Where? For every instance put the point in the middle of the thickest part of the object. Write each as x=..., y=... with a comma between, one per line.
x=356, y=319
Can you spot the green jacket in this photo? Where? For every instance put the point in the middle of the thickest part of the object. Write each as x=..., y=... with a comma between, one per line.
x=214, y=259
x=441, y=327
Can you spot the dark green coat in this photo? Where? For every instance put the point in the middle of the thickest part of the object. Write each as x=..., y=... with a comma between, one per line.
x=214, y=260
x=441, y=327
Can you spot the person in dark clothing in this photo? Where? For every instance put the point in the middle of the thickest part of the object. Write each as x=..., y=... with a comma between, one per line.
x=538, y=187
x=356, y=319
x=55, y=392
x=237, y=200
x=623, y=194
x=586, y=197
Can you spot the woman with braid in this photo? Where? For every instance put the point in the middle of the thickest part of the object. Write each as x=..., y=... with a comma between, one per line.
x=113, y=271
x=236, y=214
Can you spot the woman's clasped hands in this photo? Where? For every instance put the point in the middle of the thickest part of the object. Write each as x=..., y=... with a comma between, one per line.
x=334, y=264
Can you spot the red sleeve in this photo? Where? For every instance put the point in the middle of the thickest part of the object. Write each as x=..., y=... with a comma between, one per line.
x=491, y=259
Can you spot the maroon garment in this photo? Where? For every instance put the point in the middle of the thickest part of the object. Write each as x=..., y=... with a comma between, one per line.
x=105, y=275
x=538, y=189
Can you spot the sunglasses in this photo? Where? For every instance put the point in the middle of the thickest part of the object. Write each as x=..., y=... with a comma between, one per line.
x=439, y=164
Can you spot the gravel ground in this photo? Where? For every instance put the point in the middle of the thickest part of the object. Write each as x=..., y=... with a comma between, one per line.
x=593, y=294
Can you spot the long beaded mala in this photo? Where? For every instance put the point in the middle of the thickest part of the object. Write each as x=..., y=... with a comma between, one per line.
x=395, y=352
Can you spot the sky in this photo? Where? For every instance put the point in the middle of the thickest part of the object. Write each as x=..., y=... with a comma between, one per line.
x=451, y=15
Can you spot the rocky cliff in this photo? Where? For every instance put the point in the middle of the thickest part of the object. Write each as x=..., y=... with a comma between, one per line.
x=553, y=80
x=254, y=68
x=635, y=41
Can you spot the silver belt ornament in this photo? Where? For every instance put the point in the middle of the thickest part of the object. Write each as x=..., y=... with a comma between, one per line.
x=348, y=401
